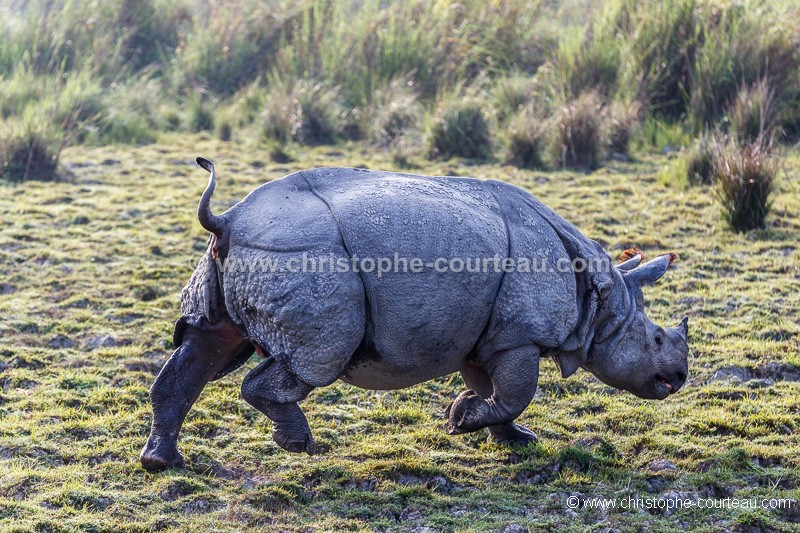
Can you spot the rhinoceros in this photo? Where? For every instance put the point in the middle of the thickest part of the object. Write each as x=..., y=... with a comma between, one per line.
x=394, y=328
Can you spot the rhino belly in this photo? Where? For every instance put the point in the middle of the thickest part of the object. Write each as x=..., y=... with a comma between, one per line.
x=369, y=370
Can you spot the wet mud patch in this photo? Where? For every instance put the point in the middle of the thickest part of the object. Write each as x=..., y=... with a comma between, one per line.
x=764, y=375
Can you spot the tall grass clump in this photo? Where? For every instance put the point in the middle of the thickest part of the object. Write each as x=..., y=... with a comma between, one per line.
x=659, y=45
x=753, y=112
x=580, y=134
x=745, y=176
x=117, y=40
x=28, y=152
x=200, y=117
x=227, y=47
x=307, y=112
x=510, y=95
x=395, y=111
x=137, y=114
x=623, y=120
x=360, y=46
x=527, y=139
x=459, y=127
x=741, y=46
x=700, y=160
x=588, y=58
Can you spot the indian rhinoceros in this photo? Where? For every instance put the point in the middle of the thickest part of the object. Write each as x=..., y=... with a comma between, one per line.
x=389, y=329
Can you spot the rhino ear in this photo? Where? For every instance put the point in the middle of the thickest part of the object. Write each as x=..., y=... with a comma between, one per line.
x=651, y=271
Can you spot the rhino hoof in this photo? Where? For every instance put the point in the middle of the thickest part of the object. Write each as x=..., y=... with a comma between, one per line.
x=466, y=413
x=292, y=442
x=512, y=435
x=155, y=460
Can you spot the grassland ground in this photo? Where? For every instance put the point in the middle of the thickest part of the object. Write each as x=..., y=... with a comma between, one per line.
x=90, y=273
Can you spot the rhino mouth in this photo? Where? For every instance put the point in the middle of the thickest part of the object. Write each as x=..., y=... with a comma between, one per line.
x=662, y=382
x=665, y=386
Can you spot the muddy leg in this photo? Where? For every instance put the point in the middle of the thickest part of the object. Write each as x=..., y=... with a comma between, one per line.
x=513, y=375
x=478, y=380
x=274, y=390
x=205, y=349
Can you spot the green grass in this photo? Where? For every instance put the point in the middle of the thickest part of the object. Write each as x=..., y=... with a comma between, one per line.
x=91, y=274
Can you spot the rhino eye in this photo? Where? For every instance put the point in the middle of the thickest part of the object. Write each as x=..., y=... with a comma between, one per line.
x=659, y=339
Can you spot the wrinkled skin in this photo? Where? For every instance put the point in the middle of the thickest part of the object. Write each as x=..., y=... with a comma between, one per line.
x=395, y=329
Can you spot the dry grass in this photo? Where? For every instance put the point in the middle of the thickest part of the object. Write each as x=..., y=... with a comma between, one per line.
x=745, y=175
x=581, y=137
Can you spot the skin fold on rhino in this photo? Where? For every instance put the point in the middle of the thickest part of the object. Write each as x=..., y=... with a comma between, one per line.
x=394, y=329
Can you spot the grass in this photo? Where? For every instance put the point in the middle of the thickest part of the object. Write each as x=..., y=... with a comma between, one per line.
x=581, y=134
x=91, y=274
x=745, y=175
x=527, y=139
x=318, y=71
x=460, y=127
x=91, y=268
x=29, y=154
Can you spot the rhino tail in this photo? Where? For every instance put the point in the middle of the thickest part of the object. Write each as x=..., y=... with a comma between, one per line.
x=209, y=220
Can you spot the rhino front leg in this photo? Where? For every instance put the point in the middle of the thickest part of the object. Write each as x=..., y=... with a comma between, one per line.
x=274, y=390
x=205, y=349
x=513, y=375
x=478, y=380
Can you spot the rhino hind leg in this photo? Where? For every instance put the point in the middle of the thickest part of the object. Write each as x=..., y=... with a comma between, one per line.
x=478, y=380
x=513, y=375
x=205, y=349
x=273, y=389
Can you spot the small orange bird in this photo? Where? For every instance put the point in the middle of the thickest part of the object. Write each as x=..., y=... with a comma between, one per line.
x=630, y=252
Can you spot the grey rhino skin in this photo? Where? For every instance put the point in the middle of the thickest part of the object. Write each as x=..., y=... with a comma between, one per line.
x=399, y=328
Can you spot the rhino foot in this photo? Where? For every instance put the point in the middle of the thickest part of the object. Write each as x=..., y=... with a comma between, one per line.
x=294, y=441
x=468, y=412
x=511, y=434
x=156, y=458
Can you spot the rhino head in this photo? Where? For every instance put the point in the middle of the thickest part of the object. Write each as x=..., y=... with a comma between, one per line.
x=635, y=354
x=619, y=344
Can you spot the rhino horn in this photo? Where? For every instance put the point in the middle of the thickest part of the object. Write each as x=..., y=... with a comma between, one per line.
x=631, y=263
x=651, y=271
x=209, y=220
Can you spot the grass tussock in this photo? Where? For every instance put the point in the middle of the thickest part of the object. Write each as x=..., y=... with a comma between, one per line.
x=745, y=176
x=306, y=112
x=460, y=127
x=581, y=137
x=509, y=96
x=700, y=161
x=200, y=116
x=622, y=122
x=395, y=111
x=29, y=154
x=753, y=113
x=526, y=145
